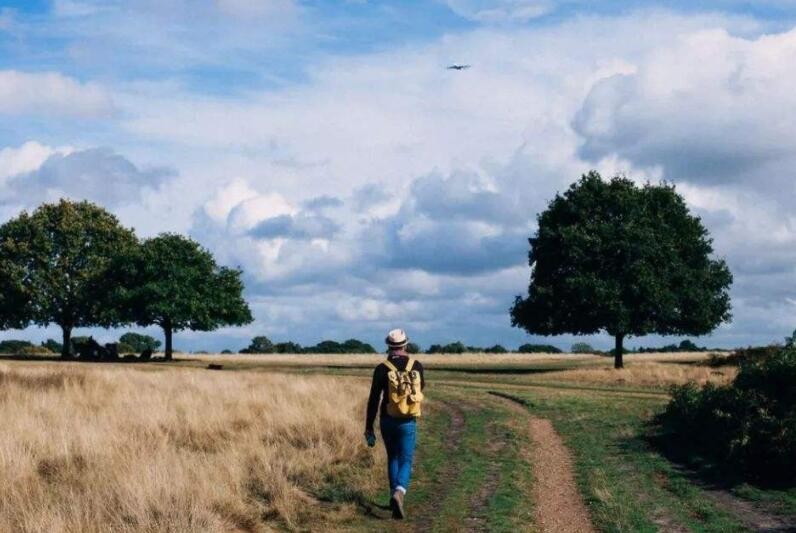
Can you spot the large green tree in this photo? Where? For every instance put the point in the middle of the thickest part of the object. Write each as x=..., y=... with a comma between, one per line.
x=172, y=282
x=62, y=253
x=612, y=256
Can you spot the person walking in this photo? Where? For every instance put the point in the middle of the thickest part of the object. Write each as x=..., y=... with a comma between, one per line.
x=396, y=393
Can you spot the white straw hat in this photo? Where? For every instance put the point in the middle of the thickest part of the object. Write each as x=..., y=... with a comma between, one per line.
x=396, y=338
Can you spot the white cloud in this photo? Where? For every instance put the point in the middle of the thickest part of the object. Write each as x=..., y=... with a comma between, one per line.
x=27, y=158
x=496, y=11
x=51, y=94
x=258, y=8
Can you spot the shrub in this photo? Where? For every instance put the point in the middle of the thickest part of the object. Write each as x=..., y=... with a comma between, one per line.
x=357, y=346
x=454, y=347
x=125, y=348
x=14, y=346
x=226, y=352
x=497, y=348
x=138, y=342
x=53, y=345
x=538, y=348
x=412, y=348
x=435, y=348
x=34, y=350
x=287, y=347
x=260, y=344
x=582, y=347
x=745, y=355
x=749, y=426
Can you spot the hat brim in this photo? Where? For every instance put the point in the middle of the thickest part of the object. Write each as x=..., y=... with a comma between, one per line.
x=398, y=344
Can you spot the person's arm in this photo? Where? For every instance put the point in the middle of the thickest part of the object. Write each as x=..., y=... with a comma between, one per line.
x=419, y=368
x=373, y=400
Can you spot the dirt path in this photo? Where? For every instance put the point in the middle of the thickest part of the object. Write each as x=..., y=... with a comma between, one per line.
x=558, y=504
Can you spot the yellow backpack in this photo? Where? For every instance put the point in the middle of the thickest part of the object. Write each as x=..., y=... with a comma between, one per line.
x=404, y=394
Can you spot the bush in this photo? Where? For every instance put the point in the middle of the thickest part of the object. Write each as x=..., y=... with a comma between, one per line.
x=497, y=348
x=125, y=348
x=287, y=347
x=745, y=355
x=34, y=350
x=331, y=347
x=226, y=352
x=53, y=345
x=435, y=348
x=260, y=344
x=14, y=346
x=412, y=348
x=538, y=348
x=138, y=342
x=749, y=426
x=454, y=347
x=582, y=347
x=357, y=346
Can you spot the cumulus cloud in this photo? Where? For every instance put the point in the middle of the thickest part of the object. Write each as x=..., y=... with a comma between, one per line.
x=491, y=11
x=303, y=226
x=26, y=158
x=96, y=174
x=710, y=107
x=51, y=94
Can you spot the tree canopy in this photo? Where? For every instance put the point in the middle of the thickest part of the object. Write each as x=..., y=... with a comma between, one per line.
x=612, y=256
x=58, y=258
x=172, y=282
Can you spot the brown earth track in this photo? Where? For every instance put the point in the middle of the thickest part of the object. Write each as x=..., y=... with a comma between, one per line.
x=559, y=506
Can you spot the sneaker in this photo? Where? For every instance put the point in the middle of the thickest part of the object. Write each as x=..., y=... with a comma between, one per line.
x=397, y=505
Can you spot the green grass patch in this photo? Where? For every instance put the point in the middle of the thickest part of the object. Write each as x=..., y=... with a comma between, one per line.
x=627, y=485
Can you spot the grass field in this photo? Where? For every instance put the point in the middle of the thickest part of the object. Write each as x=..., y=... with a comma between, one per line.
x=275, y=443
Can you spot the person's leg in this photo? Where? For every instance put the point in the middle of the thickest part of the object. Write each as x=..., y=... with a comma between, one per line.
x=389, y=435
x=405, y=454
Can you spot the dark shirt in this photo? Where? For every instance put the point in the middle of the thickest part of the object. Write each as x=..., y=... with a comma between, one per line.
x=380, y=385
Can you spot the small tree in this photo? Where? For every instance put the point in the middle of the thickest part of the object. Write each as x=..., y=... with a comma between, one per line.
x=287, y=347
x=64, y=252
x=582, y=347
x=413, y=348
x=172, y=282
x=260, y=344
x=629, y=260
x=139, y=342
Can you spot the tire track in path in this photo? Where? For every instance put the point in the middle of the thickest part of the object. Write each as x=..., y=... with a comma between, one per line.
x=447, y=477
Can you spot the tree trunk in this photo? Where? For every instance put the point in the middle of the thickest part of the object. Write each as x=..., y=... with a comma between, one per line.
x=66, y=349
x=618, y=349
x=167, y=331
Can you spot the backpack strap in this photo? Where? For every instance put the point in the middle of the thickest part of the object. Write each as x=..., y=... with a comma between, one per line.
x=390, y=366
x=410, y=364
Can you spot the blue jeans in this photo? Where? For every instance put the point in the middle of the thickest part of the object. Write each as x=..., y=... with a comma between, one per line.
x=399, y=438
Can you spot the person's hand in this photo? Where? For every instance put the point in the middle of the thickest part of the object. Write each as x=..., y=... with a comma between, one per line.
x=370, y=438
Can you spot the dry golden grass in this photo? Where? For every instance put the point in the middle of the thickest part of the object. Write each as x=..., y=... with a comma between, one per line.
x=657, y=370
x=117, y=449
x=643, y=374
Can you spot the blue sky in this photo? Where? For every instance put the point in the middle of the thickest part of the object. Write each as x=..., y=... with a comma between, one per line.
x=325, y=149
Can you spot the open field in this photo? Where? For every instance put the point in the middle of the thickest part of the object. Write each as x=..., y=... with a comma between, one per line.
x=275, y=443
x=118, y=449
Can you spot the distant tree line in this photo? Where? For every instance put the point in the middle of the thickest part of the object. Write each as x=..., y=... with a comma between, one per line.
x=74, y=265
x=128, y=343
x=263, y=345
